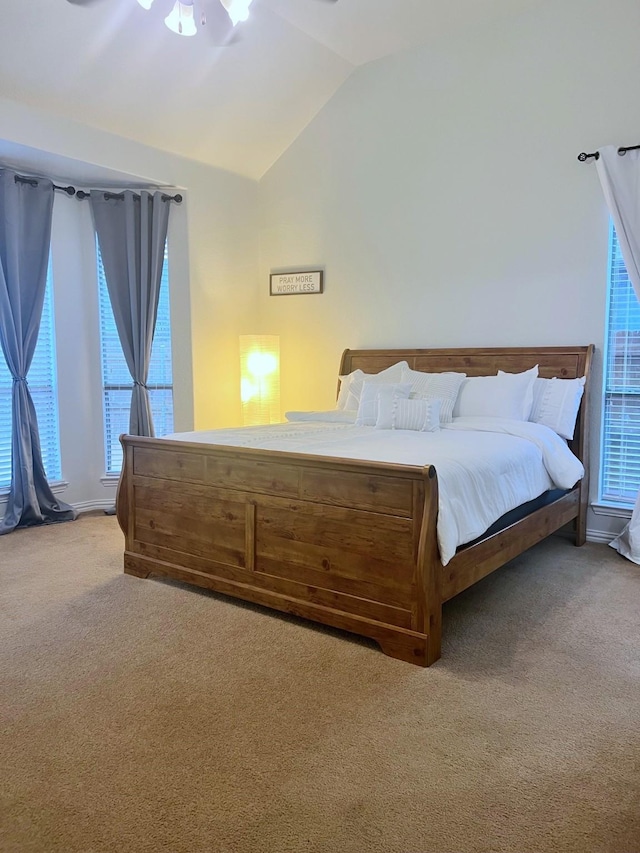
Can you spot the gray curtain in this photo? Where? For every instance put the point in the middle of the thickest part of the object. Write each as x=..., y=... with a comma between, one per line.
x=25, y=231
x=132, y=230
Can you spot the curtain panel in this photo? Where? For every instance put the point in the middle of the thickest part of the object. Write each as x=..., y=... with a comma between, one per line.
x=132, y=231
x=620, y=180
x=26, y=209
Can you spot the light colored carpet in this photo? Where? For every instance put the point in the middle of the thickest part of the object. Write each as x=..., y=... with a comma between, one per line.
x=143, y=715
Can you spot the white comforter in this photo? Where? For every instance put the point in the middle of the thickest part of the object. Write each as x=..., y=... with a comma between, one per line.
x=485, y=466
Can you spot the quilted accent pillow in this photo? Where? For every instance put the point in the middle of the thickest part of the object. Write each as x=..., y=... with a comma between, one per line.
x=444, y=386
x=421, y=414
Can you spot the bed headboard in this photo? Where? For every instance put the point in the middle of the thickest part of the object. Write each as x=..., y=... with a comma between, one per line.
x=563, y=362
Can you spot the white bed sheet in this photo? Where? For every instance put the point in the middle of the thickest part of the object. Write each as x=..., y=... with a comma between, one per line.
x=485, y=466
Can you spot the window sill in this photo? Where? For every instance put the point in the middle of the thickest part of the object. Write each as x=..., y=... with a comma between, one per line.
x=56, y=488
x=613, y=510
x=110, y=480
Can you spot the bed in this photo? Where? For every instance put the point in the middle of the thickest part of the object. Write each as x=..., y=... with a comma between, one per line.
x=346, y=542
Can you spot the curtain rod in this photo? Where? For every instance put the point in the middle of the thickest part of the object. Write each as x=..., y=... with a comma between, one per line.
x=596, y=154
x=82, y=195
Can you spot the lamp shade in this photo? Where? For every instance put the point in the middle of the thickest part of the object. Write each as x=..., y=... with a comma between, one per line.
x=260, y=379
x=180, y=19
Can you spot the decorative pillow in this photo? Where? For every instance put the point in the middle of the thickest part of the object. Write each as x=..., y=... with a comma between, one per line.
x=421, y=414
x=556, y=403
x=345, y=385
x=387, y=376
x=507, y=395
x=373, y=393
x=444, y=386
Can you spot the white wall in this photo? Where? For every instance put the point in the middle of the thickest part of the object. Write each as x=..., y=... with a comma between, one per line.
x=213, y=272
x=441, y=193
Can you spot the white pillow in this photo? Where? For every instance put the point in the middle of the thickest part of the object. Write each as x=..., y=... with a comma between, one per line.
x=445, y=386
x=356, y=379
x=373, y=393
x=556, y=403
x=345, y=385
x=421, y=414
x=507, y=395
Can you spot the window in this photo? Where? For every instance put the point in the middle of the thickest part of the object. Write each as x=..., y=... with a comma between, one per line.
x=42, y=384
x=620, y=469
x=116, y=379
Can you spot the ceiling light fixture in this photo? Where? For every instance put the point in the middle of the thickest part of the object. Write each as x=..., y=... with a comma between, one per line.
x=181, y=19
x=238, y=10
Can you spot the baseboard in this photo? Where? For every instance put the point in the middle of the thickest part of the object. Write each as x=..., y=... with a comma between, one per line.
x=601, y=536
x=93, y=506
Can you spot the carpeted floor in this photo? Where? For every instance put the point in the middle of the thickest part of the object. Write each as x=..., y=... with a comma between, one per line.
x=142, y=715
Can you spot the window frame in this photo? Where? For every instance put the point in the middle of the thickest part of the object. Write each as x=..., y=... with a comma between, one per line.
x=608, y=498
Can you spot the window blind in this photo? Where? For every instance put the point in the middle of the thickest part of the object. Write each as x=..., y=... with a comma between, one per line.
x=116, y=379
x=620, y=467
x=42, y=384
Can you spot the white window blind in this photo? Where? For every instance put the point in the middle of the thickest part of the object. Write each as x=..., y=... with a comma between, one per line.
x=116, y=379
x=620, y=468
x=42, y=384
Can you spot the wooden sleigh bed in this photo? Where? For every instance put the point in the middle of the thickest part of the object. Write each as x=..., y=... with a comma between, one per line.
x=347, y=543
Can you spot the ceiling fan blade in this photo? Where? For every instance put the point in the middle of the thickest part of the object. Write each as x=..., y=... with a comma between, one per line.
x=84, y=2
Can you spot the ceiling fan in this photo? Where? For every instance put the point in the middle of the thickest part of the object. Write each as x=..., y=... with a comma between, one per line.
x=182, y=18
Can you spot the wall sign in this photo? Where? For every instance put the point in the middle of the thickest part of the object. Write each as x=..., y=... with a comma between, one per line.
x=294, y=283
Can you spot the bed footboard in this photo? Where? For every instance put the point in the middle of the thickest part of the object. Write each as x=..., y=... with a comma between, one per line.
x=349, y=544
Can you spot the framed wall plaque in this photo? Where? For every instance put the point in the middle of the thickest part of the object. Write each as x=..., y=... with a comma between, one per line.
x=296, y=283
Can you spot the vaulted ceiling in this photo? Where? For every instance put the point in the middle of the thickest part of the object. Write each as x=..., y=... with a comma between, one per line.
x=232, y=100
